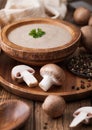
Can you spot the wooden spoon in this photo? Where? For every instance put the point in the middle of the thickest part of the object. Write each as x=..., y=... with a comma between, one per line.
x=13, y=113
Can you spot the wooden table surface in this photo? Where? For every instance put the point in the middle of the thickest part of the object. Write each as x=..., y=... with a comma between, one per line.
x=38, y=120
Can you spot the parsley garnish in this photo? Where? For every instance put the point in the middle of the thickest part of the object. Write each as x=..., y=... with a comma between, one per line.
x=36, y=33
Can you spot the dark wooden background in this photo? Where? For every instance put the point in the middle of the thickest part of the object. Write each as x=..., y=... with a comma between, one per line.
x=38, y=120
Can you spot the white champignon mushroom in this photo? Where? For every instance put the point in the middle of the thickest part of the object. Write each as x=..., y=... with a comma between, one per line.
x=24, y=73
x=52, y=75
x=80, y=115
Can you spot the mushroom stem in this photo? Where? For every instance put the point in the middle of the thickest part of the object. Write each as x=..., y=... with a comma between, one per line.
x=29, y=78
x=46, y=83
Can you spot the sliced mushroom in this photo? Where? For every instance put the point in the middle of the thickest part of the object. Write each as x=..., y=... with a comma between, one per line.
x=52, y=75
x=24, y=73
x=80, y=115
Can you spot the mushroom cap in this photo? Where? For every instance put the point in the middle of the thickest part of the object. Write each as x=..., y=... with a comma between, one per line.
x=90, y=21
x=54, y=106
x=53, y=71
x=87, y=37
x=81, y=15
x=17, y=70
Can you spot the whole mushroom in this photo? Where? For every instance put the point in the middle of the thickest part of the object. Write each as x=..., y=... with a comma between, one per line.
x=52, y=75
x=87, y=37
x=24, y=73
x=90, y=21
x=54, y=106
x=81, y=15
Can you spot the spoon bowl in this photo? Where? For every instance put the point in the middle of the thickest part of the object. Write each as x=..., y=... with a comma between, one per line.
x=13, y=113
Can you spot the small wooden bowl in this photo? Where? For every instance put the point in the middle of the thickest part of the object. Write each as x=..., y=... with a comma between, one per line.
x=40, y=56
x=13, y=113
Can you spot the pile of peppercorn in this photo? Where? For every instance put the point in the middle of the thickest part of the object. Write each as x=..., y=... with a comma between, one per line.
x=81, y=65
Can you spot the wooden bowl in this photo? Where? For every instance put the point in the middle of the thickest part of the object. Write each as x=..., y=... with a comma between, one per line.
x=13, y=113
x=60, y=41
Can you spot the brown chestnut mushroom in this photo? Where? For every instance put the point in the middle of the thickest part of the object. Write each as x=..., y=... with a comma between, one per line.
x=87, y=37
x=90, y=21
x=54, y=106
x=81, y=15
x=52, y=75
x=25, y=73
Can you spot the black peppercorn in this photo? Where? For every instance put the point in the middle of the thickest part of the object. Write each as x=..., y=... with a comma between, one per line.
x=82, y=86
x=77, y=88
x=81, y=65
x=73, y=87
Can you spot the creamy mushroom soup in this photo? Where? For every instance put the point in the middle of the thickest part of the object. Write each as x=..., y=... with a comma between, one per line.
x=54, y=36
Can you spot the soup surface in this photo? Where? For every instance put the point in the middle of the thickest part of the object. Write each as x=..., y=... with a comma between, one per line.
x=54, y=36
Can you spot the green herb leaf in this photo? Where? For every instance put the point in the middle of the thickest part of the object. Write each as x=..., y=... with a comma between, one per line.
x=36, y=33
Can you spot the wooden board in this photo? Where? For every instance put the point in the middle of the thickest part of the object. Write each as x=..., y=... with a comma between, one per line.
x=22, y=90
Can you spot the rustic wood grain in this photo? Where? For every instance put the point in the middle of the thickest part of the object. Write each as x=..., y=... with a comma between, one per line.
x=44, y=122
x=36, y=93
x=39, y=120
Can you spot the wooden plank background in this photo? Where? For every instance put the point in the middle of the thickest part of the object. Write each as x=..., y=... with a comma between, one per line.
x=38, y=120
